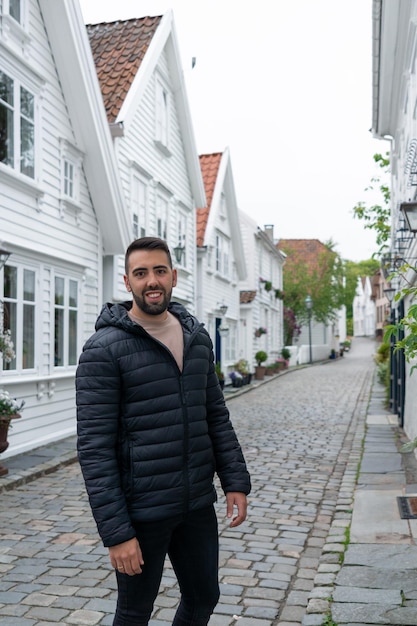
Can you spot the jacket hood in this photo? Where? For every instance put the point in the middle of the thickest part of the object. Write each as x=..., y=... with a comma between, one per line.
x=116, y=315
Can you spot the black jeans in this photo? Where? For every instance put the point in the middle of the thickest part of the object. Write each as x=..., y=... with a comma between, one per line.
x=192, y=544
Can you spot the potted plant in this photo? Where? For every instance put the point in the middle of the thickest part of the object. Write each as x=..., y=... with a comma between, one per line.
x=9, y=410
x=260, y=331
x=286, y=355
x=220, y=374
x=236, y=378
x=242, y=366
x=260, y=358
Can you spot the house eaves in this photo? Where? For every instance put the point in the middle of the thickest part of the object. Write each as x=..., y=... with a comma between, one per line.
x=71, y=49
x=164, y=37
x=270, y=245
x=391, y=57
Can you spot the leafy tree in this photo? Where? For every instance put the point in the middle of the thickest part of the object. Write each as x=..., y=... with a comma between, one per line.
x=377, y=216
x=321, y=279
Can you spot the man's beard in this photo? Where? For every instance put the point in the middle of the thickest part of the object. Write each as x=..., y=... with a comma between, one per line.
x=152, y=308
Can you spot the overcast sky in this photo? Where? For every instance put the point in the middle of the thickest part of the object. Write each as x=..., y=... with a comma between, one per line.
x=286, y=85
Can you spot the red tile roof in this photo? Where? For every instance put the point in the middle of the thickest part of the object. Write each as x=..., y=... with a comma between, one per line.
x=309, y=250
x=118, y=49
x=209, y=164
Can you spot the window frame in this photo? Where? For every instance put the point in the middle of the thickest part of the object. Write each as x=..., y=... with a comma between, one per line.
x=73, y=157
x=139, y=209
x=222, y=256
x=20, y=303
x=181, y=239
x=161, y=215
x=66, y=307
x=18, y=121
x=162, y=116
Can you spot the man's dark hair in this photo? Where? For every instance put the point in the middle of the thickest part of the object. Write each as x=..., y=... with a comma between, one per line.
x=147, y=243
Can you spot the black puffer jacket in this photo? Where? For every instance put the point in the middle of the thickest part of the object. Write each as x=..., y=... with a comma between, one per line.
x=149, y=436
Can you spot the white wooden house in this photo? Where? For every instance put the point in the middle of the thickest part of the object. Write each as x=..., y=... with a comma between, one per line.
x=62, y=209
x=220, y=262
x=141, y=79
x=261, y=305
x=394, y=119
x=364, y=310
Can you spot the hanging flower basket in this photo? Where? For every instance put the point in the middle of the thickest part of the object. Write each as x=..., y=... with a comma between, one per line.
x=260, y=331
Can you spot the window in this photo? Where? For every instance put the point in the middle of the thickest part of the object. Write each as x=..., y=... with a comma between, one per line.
x=69, y=178
x=71, y=164
x=161, y=217
x=162, y=106
x=17, y=126
x=182, y=237
x=65, y=321
x=19, y=315
x=15, y=10
x=139, y=200
x=222, y=256
x=231, y=343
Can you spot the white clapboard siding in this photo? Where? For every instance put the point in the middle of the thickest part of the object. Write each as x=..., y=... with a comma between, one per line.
x=48, y=239
x=168, y=173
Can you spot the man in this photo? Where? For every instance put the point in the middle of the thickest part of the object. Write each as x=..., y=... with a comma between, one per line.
x=153, y=428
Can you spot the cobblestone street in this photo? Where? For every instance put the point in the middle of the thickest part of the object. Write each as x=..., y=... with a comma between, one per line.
x=297, y=432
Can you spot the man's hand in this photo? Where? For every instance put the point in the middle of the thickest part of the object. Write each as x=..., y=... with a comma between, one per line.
x=127, y=557
x=238, y=499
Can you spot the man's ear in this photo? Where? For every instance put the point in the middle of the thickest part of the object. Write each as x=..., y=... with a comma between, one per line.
x=174, y=277
x=127, y=284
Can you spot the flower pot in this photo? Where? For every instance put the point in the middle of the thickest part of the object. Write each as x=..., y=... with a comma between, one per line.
x=4, y=431
x=260, y=372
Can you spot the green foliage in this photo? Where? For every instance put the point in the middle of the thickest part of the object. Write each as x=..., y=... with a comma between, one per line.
x=220, y=374
x=242, y=366
x=382, y=354
x=377, y=216
x=260, y=357
x=324, y=283
x=408, y=326
x=285, y=353
x=382, y=373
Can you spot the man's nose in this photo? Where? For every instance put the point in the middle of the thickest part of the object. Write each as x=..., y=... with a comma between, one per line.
x=152, y=279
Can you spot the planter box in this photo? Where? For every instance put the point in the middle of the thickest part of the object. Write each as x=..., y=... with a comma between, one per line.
x=260, y=372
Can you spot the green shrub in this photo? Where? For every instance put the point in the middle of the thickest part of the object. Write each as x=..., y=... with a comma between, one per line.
x=286, y=354
x=382, y=354
x=260, y=357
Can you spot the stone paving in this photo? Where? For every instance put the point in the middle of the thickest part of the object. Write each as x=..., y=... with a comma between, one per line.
x=301, y=433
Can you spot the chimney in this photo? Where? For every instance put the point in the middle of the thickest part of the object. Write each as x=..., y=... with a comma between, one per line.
x=269, y=230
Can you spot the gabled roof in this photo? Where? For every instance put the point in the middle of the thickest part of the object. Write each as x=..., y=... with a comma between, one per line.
x=69, y=43
x=126, y=54
x=209, y=164
x=118, y=49
x=218, y=178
